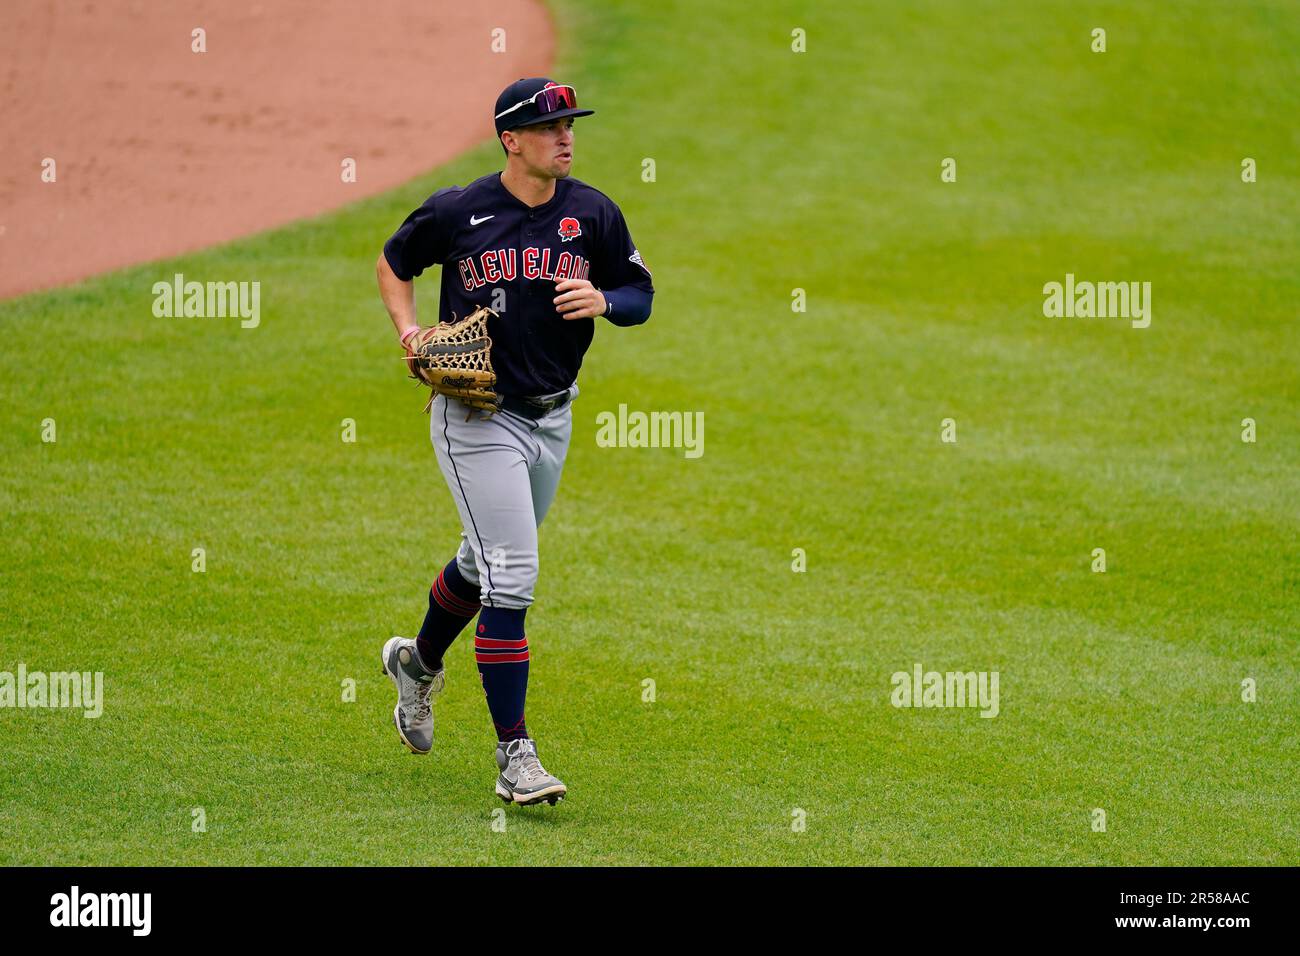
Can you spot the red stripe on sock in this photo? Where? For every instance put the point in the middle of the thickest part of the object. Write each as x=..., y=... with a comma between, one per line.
x=501, y=658
x=491, y=642
x=446, y=593
x=449, y=602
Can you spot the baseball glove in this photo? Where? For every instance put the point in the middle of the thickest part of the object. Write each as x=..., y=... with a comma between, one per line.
x=455, y=359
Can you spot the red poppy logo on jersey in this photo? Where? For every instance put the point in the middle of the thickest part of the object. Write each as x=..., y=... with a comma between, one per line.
x=569, y=228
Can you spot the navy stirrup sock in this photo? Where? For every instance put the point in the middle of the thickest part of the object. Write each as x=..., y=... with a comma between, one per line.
x=453, y=602
x=501, y=650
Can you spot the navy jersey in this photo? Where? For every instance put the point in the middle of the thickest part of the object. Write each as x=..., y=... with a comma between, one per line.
x=487, y=240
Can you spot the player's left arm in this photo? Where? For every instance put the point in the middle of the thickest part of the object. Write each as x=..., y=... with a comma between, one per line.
x=621, y=291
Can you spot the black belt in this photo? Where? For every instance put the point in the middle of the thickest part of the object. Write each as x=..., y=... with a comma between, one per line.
x=533, y=407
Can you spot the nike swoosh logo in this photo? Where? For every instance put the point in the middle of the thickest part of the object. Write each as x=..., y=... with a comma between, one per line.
x=473, y=221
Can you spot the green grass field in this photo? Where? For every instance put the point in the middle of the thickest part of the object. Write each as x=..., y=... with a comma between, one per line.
x=775, y=170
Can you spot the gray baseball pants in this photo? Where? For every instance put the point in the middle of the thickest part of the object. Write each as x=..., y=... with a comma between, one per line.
x=503, y=473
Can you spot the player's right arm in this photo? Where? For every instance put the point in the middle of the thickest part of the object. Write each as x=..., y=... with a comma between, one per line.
x=398, y=296
x=418, y=243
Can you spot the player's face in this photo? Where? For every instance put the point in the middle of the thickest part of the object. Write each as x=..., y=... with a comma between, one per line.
x=547, y=148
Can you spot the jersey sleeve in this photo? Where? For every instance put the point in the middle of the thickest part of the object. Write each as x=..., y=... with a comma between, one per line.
x=421, y=241
x=620, y=273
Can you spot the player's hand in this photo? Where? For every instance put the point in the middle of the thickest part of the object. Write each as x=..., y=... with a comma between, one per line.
x=406, y=338
x=579, y=299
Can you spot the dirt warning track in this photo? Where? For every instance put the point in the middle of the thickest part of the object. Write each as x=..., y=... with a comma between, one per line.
x=119, y=143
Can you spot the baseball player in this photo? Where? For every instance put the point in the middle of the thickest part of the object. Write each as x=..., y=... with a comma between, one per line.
x=550, y=255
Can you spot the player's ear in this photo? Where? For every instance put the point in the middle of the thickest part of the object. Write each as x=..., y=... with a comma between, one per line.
x=509, y=145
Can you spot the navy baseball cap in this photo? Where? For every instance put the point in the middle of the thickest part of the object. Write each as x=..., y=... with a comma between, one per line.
x=535, y=100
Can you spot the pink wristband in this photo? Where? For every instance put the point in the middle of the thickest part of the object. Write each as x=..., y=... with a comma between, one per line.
x=408, y=333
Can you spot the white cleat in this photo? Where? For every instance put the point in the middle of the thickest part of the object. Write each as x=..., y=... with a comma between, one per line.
x=523, y=779
x=413, y=715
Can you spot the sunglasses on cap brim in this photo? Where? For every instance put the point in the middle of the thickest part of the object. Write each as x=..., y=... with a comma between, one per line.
x=549, y=100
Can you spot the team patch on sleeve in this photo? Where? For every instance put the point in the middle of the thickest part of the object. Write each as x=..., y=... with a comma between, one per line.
x=636, y=257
